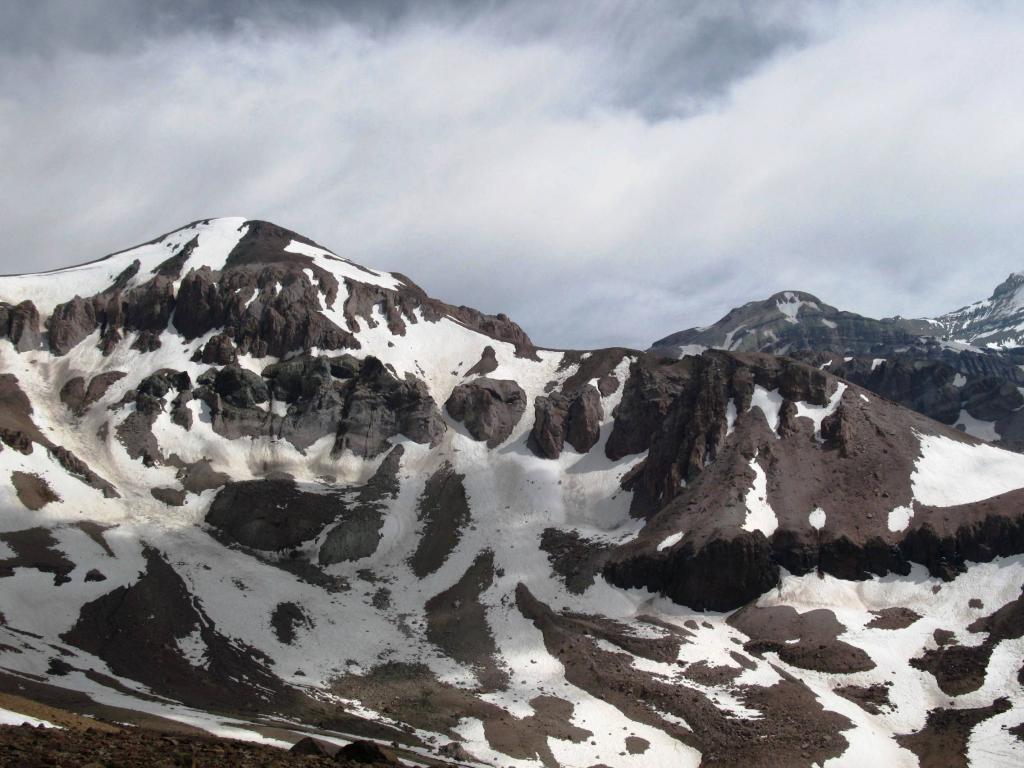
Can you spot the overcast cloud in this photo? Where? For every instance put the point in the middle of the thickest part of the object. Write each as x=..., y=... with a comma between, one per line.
x=603, y=172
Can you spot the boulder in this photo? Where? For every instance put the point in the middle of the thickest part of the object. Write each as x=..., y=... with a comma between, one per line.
x=20, y=324
x=308, y=746
x=70, y=322
x=367, y=752
x=583, y=425
x=490, y=408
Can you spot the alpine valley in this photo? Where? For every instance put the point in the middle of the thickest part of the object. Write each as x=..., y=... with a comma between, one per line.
x=254, y=489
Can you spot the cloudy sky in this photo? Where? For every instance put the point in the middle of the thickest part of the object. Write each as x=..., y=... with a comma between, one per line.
x=604, y=172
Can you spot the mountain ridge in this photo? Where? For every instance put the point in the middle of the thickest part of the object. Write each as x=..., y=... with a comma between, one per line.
x=268, y=490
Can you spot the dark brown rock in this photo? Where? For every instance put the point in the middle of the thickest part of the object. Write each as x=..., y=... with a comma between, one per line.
x=69, y=323
x=490, y=408
x=219, y=350
x=367, y=752
x=308, y=746
x=548, y=434
x=583, y=425
x=485, y=365
x=20, y=324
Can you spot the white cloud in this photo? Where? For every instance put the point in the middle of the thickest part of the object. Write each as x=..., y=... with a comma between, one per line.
x=879, y=164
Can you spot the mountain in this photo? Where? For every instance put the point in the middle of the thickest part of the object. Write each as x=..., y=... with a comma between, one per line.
x=794, y=320
x=996, y=323
x=261, y=490
x=962, y=369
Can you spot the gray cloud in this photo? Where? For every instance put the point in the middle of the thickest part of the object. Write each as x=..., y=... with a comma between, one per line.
x=605, y=173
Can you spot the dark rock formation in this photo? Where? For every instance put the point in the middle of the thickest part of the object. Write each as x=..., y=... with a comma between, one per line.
x=219, y=350
x=443, y=512
x=721, y=575
x=487, y=363
x=357, y=532
x=136, y=630
x=561, y=419
x=367, y=752
x=307, y=746
x=77, y=397
x=20, y=324
x=271, y=515
x=490, y=408
x=285, y=619
x=69, y=323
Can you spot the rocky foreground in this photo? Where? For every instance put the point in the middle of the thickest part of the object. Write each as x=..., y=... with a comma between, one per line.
x=26, y=746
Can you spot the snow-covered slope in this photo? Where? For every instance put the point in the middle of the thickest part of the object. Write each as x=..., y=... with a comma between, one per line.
x=995, y=323
x=254, y=487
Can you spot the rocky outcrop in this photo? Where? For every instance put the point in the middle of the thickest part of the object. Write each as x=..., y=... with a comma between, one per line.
x=722, y=574
x=136, y=630
x=700, y=547
x=357, y=531
x=487, y=363
x=560, y=419
x=69, y=324
x=271, y=515
x=265, y=309
x=219, y=350
x=358, y=402
x=20, y=324
x=78, y=397
x=677, y=410
x=489, y=408
x=547, y=437
x=379, y=406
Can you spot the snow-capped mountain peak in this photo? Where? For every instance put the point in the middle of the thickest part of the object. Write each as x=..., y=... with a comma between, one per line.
x=996, y=322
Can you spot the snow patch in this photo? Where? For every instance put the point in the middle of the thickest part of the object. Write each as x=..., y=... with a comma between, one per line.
x=730, y=417
x=670, y=541
x=899, y=519
x=950, y=472
x=770, y=403
x=817, y=413
x=760, y=515
x=983, y=430
x=9, y=717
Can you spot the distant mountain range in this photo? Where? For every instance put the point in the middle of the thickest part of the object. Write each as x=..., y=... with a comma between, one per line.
x=796, y=321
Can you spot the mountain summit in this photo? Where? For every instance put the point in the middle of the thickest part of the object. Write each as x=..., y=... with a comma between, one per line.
x=263, y=490
x=997, y=322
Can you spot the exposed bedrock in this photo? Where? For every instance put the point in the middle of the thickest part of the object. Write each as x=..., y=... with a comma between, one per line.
x=265, y=301
x=490, y=408
x=139, y=630
x=929, y=385
x=357, y=533
x=721, y=575
x=272, y=515
x=706, y=547
x=561, y=419
x=78, y=397
x=360, y=403
x=677, y=410
x=20, y=324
